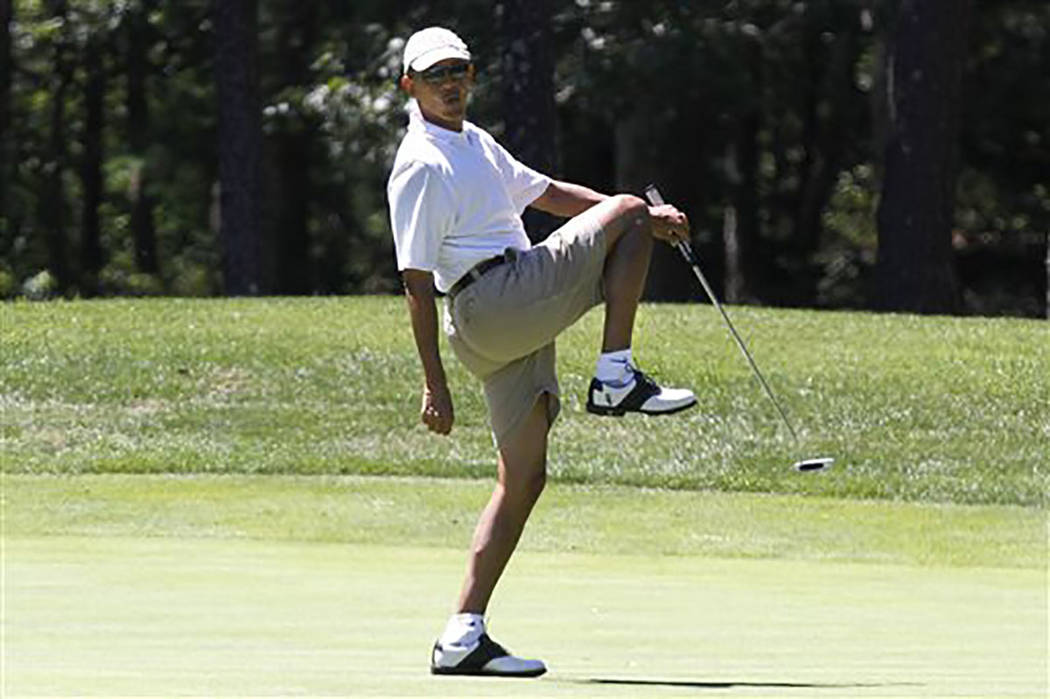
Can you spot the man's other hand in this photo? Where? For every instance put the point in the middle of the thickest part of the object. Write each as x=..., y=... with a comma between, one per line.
x=436, y=412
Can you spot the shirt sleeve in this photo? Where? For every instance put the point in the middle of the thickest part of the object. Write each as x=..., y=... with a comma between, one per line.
x=421, y=215
x=523, y=183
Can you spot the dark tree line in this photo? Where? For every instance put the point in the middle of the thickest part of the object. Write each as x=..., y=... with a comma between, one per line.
x=842, y=154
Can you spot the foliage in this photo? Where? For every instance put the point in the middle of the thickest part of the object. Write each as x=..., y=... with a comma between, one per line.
x=679, y=92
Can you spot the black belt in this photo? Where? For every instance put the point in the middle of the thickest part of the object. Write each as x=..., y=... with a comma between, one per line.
x=475, y=273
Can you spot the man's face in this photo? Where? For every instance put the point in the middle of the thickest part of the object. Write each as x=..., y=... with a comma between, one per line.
x=442, y=91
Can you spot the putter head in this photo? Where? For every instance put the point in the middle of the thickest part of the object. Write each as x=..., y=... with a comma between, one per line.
x=818, y=464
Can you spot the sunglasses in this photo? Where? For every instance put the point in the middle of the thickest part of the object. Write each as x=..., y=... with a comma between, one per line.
x=438, y=74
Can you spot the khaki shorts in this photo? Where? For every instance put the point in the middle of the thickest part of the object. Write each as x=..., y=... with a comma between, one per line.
x=502, y=327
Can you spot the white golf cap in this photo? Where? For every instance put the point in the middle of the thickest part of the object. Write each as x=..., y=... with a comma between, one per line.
x=428, y=46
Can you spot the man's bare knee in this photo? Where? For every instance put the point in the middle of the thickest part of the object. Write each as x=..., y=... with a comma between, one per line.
x=627, y=213
x=536, y=483
x=525, y=486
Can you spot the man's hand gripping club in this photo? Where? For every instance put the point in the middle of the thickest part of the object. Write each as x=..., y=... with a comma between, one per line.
x=669, y=224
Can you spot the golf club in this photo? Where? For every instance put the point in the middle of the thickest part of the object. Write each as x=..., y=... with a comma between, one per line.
x=683, y=246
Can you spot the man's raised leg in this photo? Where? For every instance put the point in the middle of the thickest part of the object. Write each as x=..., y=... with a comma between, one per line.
x=629, y=246
x=618, y=386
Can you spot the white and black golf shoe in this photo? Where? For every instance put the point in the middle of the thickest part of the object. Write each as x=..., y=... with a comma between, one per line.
x=640, y=395
x=483, y=657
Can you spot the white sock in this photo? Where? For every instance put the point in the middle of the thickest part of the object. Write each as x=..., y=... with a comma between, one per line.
x=612, y=367
x=462, y=630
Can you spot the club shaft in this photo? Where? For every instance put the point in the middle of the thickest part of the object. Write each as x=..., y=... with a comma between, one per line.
x=686, y=251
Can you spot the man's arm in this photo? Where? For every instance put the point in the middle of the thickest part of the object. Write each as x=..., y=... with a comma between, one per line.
x=566, y=199
x=436, y=411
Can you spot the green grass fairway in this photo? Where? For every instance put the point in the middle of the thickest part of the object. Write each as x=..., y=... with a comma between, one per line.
x=263, y=585
x=135, y=616
x=234, y=497
x=606, y=519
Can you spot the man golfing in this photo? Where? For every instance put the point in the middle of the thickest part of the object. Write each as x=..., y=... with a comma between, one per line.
x=456, y=198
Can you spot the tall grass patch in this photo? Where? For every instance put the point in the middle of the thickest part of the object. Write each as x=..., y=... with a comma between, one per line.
x=912, y=408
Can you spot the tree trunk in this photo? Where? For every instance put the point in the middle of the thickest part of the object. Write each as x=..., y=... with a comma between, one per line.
x=825, y=135
x=741, y=227
x=52, y=203
x=915, y=271
x=240, y=144
x=91, y=166
x=143, y=231
x=808, y=81
x=292, y=235
x=741, y=224
x=292, y=149
x=527, y=62
x=6, y=140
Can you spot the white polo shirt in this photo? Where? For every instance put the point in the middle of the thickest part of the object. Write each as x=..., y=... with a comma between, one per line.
x=456, y=198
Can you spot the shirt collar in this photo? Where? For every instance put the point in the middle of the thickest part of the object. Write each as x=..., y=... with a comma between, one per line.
x=416, y=122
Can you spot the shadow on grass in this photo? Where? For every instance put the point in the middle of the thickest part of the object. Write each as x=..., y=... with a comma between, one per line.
x=730, y=685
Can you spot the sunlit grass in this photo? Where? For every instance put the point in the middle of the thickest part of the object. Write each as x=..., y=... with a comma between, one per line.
x=938, y=409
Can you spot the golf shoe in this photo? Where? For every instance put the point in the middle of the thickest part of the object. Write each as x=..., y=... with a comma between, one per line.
x=482, y=657
x=638, y=395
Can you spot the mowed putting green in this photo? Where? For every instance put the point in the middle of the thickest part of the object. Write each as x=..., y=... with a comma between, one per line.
x=135, y=585
x=173, y=617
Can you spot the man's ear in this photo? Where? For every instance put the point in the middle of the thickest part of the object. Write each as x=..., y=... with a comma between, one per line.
x=406, y=84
